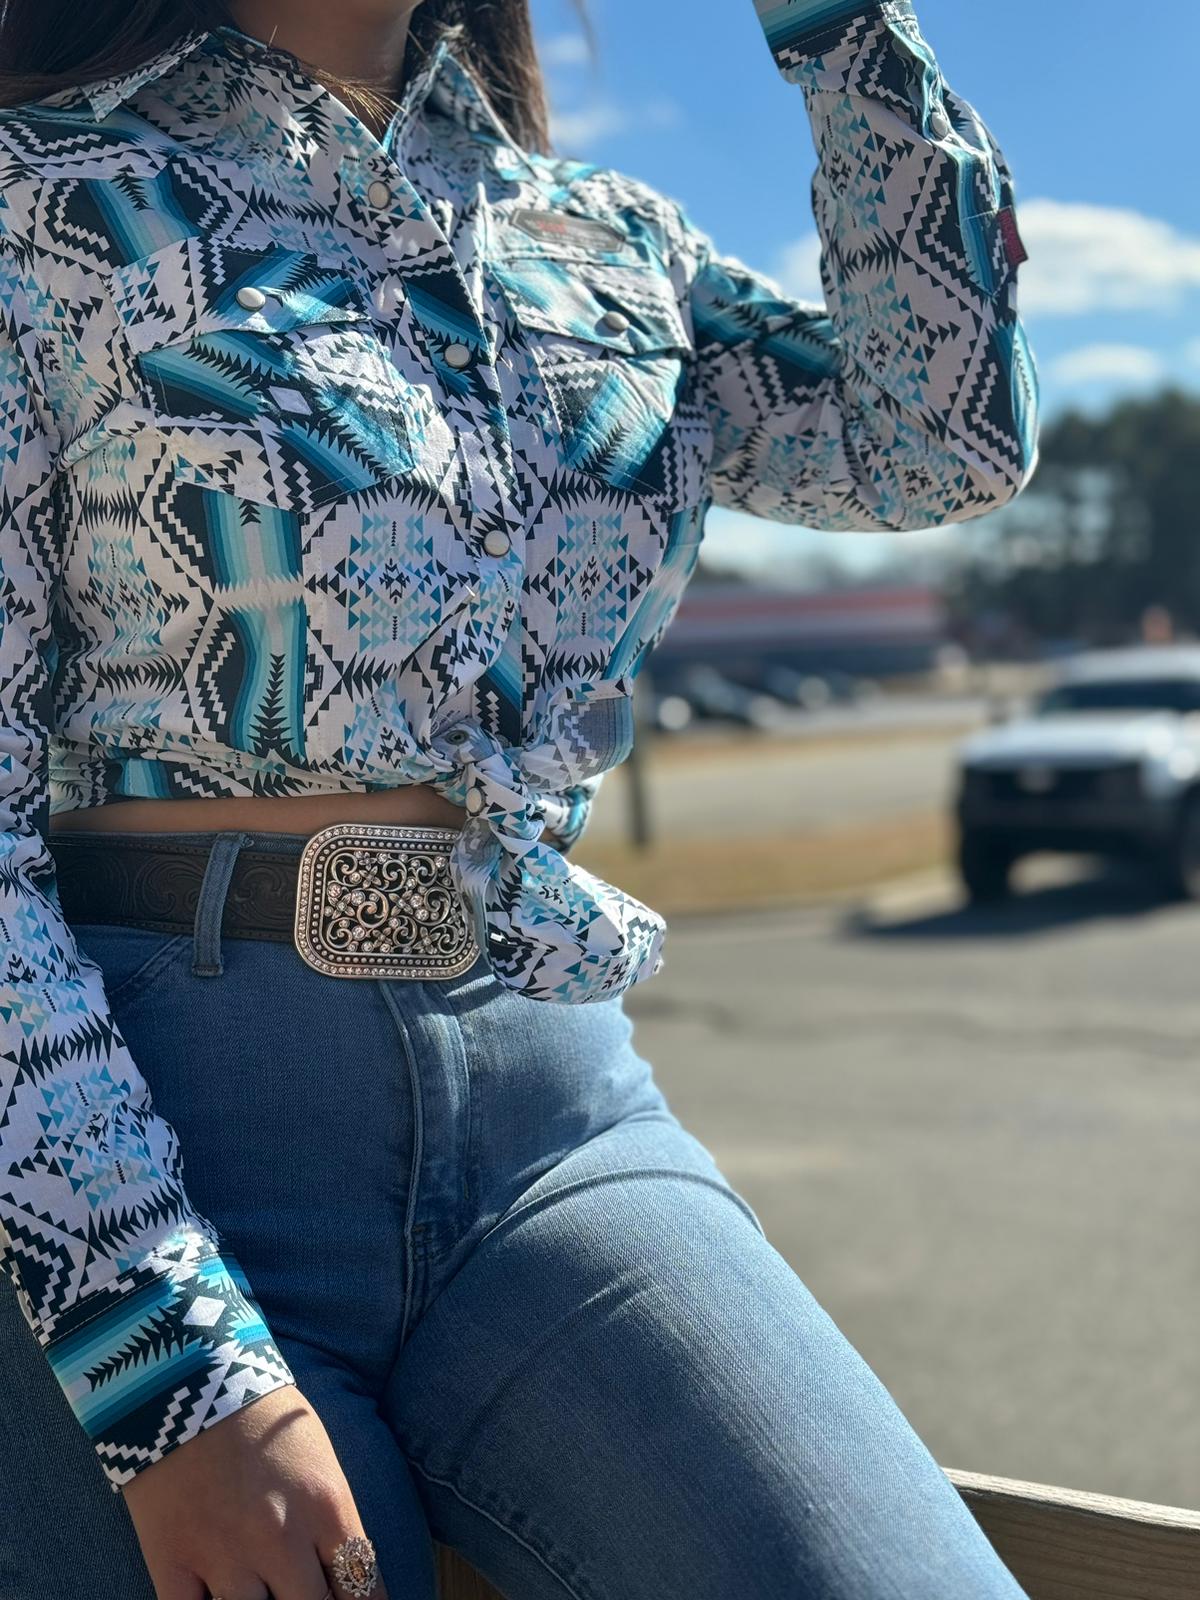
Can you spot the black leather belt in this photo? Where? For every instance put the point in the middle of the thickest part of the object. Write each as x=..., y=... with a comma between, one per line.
x=360, y=900
x=149, y=883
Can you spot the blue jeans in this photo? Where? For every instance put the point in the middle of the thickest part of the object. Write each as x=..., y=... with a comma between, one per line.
x=535, y=1318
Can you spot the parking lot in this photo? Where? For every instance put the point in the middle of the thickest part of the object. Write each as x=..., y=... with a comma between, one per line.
x=974, y=1137
x=812, y=778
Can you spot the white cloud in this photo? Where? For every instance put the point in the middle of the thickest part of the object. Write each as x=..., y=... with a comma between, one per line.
x=1082, y=258
x=575, y=131
x=579, y=121
x=1086, y=258
x=798, y=269
x=564, y=50
x=734, y=541
x=1109, y=363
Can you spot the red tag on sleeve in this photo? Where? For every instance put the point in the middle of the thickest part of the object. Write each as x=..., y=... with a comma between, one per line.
x=1014, y=245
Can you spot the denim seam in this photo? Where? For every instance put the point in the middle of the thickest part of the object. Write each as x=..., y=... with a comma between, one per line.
x=613, y=1177
x=465, y=1189
x=149, y=969
x=491, y=1517
x=418, y=1150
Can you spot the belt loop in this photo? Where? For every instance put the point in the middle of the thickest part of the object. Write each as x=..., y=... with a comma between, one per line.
x=218, y=870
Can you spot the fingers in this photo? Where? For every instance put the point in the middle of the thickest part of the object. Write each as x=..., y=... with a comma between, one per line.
x=348, y=1558
x=345, y=1552
x=344, y=1568
x=178, y=1586
x=299, y=1575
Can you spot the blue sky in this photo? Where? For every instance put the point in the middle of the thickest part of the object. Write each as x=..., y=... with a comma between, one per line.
x=1097, y=124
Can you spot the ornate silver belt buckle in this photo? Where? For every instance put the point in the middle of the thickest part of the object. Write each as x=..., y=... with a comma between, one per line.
x=376, y=900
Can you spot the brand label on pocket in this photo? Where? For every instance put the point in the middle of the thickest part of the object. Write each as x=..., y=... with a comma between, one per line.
x=1014, y=247
x=570, y=229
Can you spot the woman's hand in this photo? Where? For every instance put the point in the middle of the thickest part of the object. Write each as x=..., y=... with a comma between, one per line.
x=252, y=1508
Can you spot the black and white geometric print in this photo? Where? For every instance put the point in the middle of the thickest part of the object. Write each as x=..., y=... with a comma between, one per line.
x=319, y=450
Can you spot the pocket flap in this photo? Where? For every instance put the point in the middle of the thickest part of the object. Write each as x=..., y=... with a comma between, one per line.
x=554, y=232
x=190, y=288
x=572, y=298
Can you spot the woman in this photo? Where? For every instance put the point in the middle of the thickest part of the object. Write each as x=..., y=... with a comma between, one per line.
x=356, y=453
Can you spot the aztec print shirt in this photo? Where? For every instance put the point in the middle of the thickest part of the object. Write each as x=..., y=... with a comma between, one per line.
x=332, y=464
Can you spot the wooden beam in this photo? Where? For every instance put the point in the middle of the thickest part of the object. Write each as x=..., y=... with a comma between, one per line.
x=1065, y=1544
x=458, y=1581
x=1059, y=1544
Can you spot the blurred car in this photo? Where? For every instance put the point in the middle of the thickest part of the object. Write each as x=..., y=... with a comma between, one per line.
x=670, y=713
x=808, y=690
x=1107, y=764
x=711, y=694
x=815, y=691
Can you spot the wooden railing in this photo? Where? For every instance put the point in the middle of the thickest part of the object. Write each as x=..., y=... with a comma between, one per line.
x=459, y=1581
x=1063, y=1544
x=1059, y=1544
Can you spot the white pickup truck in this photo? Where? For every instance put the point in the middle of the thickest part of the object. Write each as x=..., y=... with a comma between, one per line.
x=1107, y=763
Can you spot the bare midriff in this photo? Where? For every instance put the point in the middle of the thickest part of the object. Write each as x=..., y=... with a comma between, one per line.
x=414, y=804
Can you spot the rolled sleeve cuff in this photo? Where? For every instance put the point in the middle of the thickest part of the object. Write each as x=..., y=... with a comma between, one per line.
x=799, y=29
x=164, y=1351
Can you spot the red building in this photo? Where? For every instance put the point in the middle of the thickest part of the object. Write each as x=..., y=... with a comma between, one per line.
x=872, y=631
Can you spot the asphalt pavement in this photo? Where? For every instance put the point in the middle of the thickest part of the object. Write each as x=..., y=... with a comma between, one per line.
x=766, y=784
x=975, y=1138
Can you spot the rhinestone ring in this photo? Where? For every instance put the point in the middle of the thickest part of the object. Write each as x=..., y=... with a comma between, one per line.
x=354, y=1566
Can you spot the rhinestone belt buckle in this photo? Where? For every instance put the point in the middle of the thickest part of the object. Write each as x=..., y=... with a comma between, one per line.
x=376, y=900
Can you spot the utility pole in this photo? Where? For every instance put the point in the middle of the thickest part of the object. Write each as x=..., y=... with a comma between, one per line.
x=637, y=780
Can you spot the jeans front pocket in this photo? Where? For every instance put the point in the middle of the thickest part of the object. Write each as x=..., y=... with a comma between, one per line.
x=132, y=960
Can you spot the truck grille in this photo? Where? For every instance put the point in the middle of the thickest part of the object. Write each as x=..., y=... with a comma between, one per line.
x=1044, y=784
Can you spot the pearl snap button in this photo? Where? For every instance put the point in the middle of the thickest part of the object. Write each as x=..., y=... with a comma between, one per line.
x=939, y=123
x=457, y=736
x=497, y=542
x=457, y=355
x=379, y=195
x=474, y=802
x=251, y=299
x=614, y=321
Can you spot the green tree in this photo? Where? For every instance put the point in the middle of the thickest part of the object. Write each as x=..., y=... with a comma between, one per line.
x=1109, y=526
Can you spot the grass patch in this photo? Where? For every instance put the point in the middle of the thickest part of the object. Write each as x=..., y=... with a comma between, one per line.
x=667, y=751
x=691, y=875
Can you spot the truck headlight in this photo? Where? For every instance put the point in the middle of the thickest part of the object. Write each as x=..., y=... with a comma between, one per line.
x=1165, y=775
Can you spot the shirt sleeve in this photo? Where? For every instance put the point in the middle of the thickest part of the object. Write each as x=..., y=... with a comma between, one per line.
x=149, y=1328
x=909, y=398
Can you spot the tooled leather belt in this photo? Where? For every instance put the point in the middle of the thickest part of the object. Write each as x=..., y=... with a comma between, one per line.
x=361, y=900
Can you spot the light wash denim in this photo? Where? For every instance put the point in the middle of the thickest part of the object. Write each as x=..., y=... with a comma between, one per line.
x=535, y=1318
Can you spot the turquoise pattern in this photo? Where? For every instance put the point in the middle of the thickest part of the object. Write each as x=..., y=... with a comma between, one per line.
x=415, y=511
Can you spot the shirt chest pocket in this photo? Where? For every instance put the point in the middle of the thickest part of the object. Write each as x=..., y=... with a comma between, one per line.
x=265, y=372
x=609, y=346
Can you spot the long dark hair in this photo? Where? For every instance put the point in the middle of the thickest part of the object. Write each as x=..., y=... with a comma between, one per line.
x=47, y=45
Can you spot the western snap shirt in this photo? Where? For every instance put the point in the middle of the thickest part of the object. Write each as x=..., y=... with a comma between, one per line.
x=333, y=463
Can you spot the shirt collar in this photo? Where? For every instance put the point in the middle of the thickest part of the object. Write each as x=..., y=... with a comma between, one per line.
x=443, y=77
x=104, y=95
